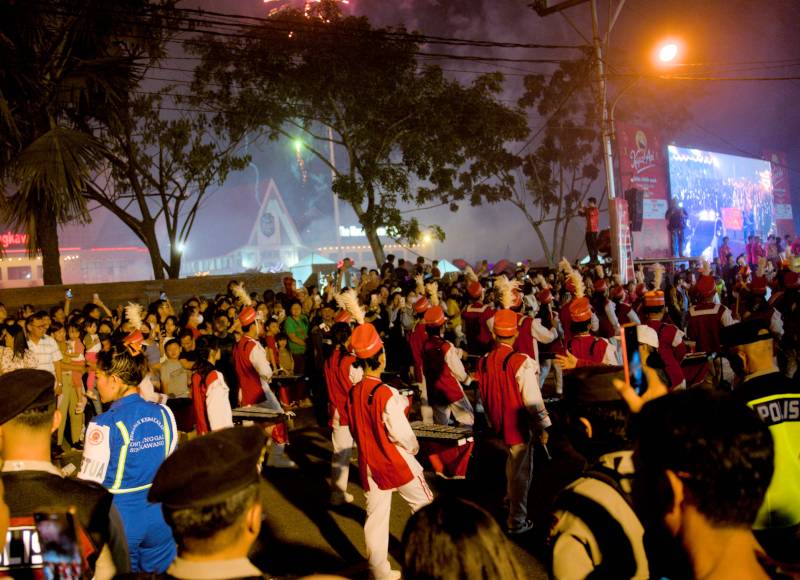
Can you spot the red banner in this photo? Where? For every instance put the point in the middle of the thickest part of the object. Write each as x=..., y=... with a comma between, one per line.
x=781, y=193
x=643, y=165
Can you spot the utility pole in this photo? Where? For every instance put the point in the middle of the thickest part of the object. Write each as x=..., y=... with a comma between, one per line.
x=543, y=8
x=336, y=219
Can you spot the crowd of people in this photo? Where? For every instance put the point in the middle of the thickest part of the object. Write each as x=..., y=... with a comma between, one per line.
x=677, y=389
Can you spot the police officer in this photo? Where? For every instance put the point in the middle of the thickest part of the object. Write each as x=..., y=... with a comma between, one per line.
x=124, y=448
x=776, y=400
x=28, y=416
x=209, y=491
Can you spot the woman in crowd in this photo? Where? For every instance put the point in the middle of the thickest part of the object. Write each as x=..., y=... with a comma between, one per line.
x=14, y=352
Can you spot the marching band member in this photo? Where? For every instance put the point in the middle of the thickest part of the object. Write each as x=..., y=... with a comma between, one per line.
x=671, y=346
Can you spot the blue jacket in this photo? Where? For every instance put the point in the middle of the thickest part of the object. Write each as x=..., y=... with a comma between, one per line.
x=124, y=447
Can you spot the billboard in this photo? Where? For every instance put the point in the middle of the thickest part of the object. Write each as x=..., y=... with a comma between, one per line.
x=642, y=166
x=723, y=195
x=781, y=192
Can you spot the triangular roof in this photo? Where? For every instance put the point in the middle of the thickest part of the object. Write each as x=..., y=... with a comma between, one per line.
x=314, y=259
x=273, y=225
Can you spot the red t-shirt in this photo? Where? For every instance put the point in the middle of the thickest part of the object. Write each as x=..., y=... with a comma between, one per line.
x=592, y=219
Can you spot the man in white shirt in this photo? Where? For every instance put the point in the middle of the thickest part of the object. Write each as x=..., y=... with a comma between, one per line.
x=43, y=346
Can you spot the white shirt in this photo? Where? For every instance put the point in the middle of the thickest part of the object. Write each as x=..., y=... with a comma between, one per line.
x=258, y=358
x=528, y=381
x=218, y=405
x=47, y=353
x=399, y=431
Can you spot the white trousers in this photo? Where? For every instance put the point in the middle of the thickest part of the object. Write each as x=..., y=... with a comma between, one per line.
x=342, y=441
x=416, y=494
x=544, y=370
x=425, y=408
x=461, y=410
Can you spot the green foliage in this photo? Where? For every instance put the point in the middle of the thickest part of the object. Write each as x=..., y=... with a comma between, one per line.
x=408, y=134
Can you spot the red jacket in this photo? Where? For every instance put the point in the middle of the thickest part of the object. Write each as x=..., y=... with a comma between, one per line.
x=199, y=389
x=337, y=379
x=476, y=328
x=366, y=404
x=249, y=379
x=587, y=347
x=443, y=387
x=525, y=341
x=416, y=342
x=497, y=373
x=672, y=355
x=704, y=326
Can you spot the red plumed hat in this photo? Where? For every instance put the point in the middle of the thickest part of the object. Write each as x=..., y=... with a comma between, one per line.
x=580, y=309
x=365, y=341
x=505, y=323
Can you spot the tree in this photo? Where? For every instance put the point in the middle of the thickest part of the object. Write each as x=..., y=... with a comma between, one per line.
x=64, y=63
x=408, y=135
x=556, y=178
x=159, y=168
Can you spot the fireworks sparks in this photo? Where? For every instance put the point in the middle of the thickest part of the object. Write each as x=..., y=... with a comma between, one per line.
x=286, y=4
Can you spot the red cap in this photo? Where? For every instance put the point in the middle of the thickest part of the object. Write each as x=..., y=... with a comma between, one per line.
x=134, y=338
x=247, y=315
x=365, y=341
x=343, y=316
x=474, y=289
x=654, y=298
x=544, y=296
x=580, y=309
x=517, y=299
x=505, y=323
x=421, y=305
x=705, y=286
x=434, y=316
x=758, y=285
x=618, y=292
x=600, y=285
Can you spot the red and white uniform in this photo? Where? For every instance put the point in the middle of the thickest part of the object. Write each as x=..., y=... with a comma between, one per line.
x=476, y=328
x=340, y=376
x=706, y=320
x=386, y=462
x=444, y=373
x=566, y=321
x=416, y=342
x=626, y=314
x=531, y=332
x=672, y=350
x=509, y=384
x=254, y=373
x=592, y=350
x=608, y=324
x=212, y=408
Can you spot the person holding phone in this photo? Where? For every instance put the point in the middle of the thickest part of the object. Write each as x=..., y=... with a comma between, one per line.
x=28, y=417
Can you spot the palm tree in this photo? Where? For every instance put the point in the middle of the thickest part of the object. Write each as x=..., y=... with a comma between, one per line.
x=68, y=66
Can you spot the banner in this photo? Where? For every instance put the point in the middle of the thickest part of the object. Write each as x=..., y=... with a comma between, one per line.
x=781, y=192
x=642, y=165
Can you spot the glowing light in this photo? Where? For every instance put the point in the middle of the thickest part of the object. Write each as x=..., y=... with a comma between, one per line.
x=181, y=247
x=668, y=52
x=427, y=238
x=707, y=215
x=298, y=151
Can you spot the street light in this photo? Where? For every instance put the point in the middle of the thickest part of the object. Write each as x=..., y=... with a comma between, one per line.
x=427, y=238
x=298, y=145
x=668, y=52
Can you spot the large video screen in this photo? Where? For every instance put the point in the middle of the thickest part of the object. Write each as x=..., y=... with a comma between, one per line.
x=724, y=195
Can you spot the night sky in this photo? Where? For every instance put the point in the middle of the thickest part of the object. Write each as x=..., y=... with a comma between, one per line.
x=740, y=38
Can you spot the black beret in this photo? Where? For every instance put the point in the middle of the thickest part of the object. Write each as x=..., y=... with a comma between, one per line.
x=25, y=389
x=745, y=332
x=208, y=469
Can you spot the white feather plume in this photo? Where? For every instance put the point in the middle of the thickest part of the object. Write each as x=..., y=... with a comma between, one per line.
x=348, y=300
x=433, y=292
x=705, y=267
x=470, y=274
x=564, y=266
x=601, y=273
x=762, y=266
x=541, y=282
x=133, y=313
x=240, y=293
x=577, y=281
x=505, y=290
x=658, y=270
x=639, y=275
x=420, y=284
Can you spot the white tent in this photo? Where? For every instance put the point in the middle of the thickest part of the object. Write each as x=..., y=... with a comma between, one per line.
x=304, y=268
x=445, y=267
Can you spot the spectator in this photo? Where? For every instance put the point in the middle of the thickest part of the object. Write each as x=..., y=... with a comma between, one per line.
x=454, y=538
x=212, y=409
x=676, y=218
x=14, y=352
x=296, y=329
x=703, y=464
x=48, y=355
x=174, y=376
x=592, y=215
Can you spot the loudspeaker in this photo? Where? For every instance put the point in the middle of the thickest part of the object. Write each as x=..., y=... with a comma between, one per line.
x=635, y=199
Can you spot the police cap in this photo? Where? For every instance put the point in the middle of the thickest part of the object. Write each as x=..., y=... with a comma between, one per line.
x=25, y=389
x=745, y=332
x=207, y=470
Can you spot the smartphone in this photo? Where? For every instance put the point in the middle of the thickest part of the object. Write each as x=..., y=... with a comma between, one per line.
x=69, y=294
x=162, y=296
x=58, y=541
x=632, y=362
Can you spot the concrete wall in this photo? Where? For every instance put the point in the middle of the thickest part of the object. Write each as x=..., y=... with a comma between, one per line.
x=143, y=292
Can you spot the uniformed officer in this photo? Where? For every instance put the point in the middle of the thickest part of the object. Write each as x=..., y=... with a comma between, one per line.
x=124, y=448
x=776, y=400
x=28, y=416
x=209, y=491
